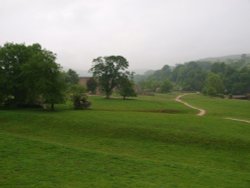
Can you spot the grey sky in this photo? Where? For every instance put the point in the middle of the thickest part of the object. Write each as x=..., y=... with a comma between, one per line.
x=149, y=33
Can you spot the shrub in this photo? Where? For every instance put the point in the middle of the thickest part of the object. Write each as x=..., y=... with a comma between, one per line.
x=79, y=97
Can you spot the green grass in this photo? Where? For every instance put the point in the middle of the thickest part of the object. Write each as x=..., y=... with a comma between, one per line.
x=158, y=103
x=221, y=107
x=145, y=142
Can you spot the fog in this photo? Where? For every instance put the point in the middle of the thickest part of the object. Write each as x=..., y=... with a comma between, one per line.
x=149, y=33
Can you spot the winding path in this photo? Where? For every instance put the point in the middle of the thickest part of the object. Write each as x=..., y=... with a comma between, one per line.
x=201, y=112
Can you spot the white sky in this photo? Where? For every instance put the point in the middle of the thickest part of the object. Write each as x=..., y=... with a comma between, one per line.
x=149, y=33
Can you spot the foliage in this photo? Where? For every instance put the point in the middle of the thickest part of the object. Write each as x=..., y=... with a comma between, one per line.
x=166, y=86
x=72, y=77
x=54, y=92
x=150, y=85
x=108, y=70
x=29, y=76
x=213, y=85
x=126, y=87
x=237, y=81
x=92, y=85
x=79, y=97
x=192, y=76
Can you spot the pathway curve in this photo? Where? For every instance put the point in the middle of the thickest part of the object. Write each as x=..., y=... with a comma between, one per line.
x=201, y=112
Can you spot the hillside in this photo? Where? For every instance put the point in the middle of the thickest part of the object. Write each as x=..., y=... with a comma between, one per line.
x=232, y=72
x=228, y=58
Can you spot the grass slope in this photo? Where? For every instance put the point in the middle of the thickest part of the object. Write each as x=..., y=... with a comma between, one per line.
x=147, y=142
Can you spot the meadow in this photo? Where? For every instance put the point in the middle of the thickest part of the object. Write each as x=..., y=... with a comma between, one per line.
x=148, y=141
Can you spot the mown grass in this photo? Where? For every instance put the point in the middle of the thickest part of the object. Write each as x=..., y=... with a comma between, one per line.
x=158, y=103
x=146, y=142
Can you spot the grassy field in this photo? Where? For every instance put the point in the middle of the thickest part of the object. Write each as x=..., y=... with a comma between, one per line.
x=221, y=107
x=150, y=141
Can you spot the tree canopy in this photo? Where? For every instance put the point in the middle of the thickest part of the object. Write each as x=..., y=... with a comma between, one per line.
x=213, y=85
x=126, y=86
x=72, y=77
x=29, y=76
x=108, y=71
x=234, y=75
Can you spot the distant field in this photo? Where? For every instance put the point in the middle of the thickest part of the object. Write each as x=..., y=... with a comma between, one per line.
x=149, y=141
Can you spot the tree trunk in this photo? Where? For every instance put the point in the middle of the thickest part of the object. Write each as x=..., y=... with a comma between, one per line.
x=108, y=96
x=52, y=108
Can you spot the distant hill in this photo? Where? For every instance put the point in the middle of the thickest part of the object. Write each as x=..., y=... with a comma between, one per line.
x=228, y=58
x=205, y=63
x=233, y=71
x=140, y=74
x=235, y=61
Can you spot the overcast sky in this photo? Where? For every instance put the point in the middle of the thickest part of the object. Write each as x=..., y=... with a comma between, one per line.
x=149, y=33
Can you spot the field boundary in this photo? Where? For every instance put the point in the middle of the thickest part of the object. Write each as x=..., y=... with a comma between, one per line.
x=201, y=112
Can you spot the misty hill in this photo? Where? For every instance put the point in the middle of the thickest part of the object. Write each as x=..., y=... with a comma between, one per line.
x=228, y=58
x=232, y=72
x=237, y=61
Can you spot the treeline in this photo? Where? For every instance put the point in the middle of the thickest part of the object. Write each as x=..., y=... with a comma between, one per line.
x=30, y=77
x=211, y=78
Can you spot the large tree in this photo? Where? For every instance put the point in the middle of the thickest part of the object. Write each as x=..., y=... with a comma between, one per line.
x=12, y=58
x=30, y=74
x=108, y=71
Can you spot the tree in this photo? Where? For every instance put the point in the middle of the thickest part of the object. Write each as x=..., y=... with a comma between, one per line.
x=54, y=91
x=107, y=71
x=72, y=77
x=241, y=82
x=31, y=76
x=12, y=57
x=166, y=86
x=213, y=85
x=126, y=86
x=190, y=76
x=150, y=85
x=91, y=85
x=218, y=68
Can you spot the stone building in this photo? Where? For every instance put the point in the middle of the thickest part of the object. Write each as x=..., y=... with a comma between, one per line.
x=83, y=81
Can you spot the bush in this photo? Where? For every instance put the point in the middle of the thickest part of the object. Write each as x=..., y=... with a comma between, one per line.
x=79, y=97
x=80, y=102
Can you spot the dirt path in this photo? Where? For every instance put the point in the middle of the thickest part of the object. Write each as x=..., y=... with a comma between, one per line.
x=201, y=112
x=235, y=119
